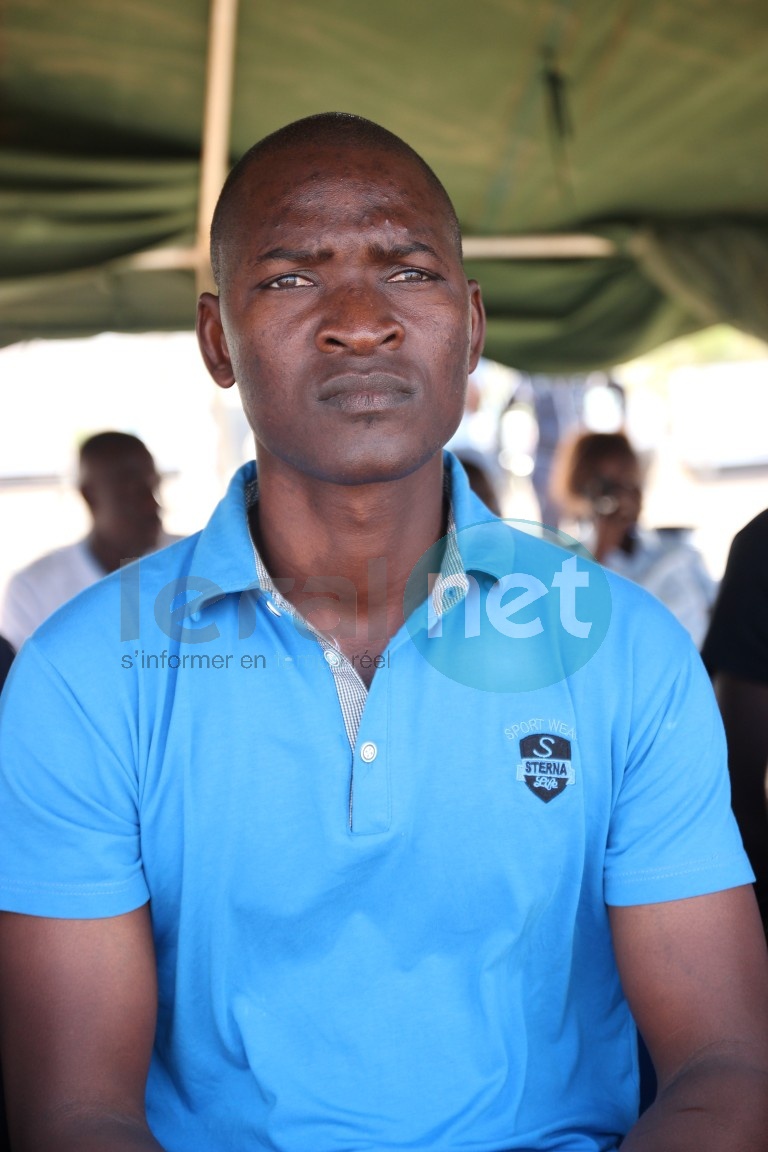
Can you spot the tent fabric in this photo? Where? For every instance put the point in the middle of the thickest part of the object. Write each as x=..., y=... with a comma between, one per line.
x=717, y=272
x=67, y=212
x=630, y=120
x=572, y=315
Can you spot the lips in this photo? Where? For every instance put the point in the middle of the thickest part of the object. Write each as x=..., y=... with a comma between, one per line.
x=365, y=392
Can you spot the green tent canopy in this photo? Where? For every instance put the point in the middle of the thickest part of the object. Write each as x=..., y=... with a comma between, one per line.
x=624, y=141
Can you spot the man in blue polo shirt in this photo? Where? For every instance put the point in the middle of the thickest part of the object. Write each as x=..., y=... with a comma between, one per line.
x=360, y=821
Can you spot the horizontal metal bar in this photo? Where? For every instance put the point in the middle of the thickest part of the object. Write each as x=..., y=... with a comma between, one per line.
x=562, y=246
x=557, y=246
x=541, y=247
x=161, y=259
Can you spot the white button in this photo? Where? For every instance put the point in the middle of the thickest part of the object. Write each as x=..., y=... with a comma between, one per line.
x=368, y=752
x=332, y=657
x=272, y=609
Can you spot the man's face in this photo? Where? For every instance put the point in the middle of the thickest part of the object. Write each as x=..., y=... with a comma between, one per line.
x=121, y=492
x=344, y=317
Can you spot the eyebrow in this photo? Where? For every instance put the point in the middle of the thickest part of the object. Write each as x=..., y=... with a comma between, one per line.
x=380, y=252
x=401, y=251
x=295, y=255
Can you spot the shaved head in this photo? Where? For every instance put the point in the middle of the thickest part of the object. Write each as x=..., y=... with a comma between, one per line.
x=109, y=448
x=334, y=130
x=118, y=481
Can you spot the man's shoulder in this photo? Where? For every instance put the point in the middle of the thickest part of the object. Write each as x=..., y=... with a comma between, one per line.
x=758, y=524
x=65, y=558
x=538, y=550
x=753, y=537
x=38, y=589
x=99, y=614
x=586, y=615
x=171, y=557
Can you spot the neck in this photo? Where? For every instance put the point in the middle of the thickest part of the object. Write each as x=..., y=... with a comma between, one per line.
x=342, y=554
x=611, y=537
x=104, y=553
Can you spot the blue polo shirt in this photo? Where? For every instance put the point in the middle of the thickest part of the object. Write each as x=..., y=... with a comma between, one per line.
x=400, y=945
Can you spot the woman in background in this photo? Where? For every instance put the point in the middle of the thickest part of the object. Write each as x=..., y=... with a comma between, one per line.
x=598, y=478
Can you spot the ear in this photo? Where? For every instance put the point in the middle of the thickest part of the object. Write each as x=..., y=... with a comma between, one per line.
x=477, y=324
x=212, y=341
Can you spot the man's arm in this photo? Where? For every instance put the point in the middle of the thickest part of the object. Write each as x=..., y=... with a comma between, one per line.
x=695, y=973
x=78, y=1005
x=744, y=708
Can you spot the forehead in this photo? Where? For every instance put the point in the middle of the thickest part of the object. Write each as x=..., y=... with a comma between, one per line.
x=125, y=462
x=332, y=189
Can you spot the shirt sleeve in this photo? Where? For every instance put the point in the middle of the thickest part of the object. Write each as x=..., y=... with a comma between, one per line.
x=69, y=825
x=672, y=833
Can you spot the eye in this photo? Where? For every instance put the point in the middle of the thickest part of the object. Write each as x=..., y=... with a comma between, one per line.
x=290, y=280
x=411, y=276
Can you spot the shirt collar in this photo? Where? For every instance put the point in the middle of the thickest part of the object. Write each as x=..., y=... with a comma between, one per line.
x=226, y=555
x=223, y=553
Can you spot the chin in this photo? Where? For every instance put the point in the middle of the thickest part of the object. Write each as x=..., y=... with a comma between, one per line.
x=379, y=467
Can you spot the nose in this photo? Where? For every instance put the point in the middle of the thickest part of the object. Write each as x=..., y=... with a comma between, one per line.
x=359, y=319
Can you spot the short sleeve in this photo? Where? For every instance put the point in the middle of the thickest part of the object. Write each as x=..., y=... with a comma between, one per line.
x=672, y=832
x=69, y=826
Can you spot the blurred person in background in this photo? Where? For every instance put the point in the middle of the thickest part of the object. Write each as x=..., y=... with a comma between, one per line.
x=118, y=480
x=736, y=655
x=476, y=443
x=598, y=478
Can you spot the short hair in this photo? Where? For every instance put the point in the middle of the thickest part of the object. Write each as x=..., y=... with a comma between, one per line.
x=108, y=444
x=329, y=128
x=578, y=461
x=104, y=447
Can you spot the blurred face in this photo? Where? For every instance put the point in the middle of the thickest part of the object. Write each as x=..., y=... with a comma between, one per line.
x=615, y=492
x=344, y=317
x=121, y=492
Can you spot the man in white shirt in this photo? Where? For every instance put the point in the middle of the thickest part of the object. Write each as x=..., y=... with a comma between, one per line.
x=118, y=481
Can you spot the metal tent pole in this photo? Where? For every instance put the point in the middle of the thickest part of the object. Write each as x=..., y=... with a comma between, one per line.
x=217, y=117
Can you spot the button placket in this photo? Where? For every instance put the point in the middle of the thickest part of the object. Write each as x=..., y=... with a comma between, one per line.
x=370, y=808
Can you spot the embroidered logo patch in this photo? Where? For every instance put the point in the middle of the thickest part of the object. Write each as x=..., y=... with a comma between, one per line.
x=546, y=765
